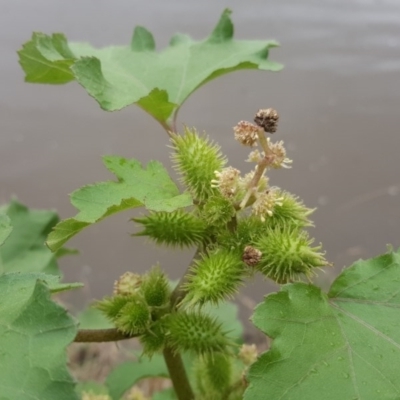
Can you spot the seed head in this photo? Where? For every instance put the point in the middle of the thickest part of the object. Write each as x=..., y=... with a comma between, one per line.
x=267, y=119
x=246, y=133
x=251, y=256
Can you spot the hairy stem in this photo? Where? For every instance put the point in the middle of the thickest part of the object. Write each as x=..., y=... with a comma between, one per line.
x=101, y=335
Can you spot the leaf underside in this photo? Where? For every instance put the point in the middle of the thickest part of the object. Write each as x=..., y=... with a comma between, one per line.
x=159, y=82
x=150, y=187
x=340, y=345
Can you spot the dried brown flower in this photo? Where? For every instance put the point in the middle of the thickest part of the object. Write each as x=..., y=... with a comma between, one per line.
x=251, y=256
x=267, y=119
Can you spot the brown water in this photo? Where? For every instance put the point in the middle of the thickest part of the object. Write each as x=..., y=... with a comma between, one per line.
x=338, y=97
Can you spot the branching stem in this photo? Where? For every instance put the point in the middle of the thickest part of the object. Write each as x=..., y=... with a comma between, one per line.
x=260, y=168
x=101, y=335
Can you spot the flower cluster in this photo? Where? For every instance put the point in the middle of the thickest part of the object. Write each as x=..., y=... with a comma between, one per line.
x=253, y=187
x=246, y=133
x=265, y=203
x=227, y=181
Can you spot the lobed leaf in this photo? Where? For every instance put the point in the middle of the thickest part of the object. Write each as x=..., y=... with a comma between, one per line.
x=150, y=187
x=34, y=333
x=119, y=76
x=340, y=345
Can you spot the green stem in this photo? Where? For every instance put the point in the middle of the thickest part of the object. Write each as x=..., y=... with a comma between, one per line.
x=178, y=374
x=100, y=335
x=172, y=358
x=260, y=168
x=167, y=128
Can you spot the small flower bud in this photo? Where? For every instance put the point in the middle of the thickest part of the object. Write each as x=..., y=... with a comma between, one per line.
x=251, y=256
x=227, y=181
x=248, y=354
x=265, y=204
x=246, y=133
x=267, y=119
x=127, y=284
x=255, y=156
x=278, y=158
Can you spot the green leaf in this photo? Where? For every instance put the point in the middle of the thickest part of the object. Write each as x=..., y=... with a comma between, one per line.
x=5, y=228
x=34, y=333
x=167, y=394
x=136, y=187
x=47, y=59
x=24, y=249
x=335, y=346
x=52, y=281
x=227, y=314
x=127, y=374
x=118, y=76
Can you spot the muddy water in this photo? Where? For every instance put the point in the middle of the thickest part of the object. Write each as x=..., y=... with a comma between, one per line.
x=338, y=97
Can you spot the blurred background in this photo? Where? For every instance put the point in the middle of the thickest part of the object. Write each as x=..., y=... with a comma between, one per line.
x=338, y=98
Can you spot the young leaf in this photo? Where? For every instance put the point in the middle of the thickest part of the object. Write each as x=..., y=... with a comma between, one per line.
x=136, y=187
x=24, y=250
x=34, y=333
x=126, y=375
x=159, y=83
x=343, y=345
